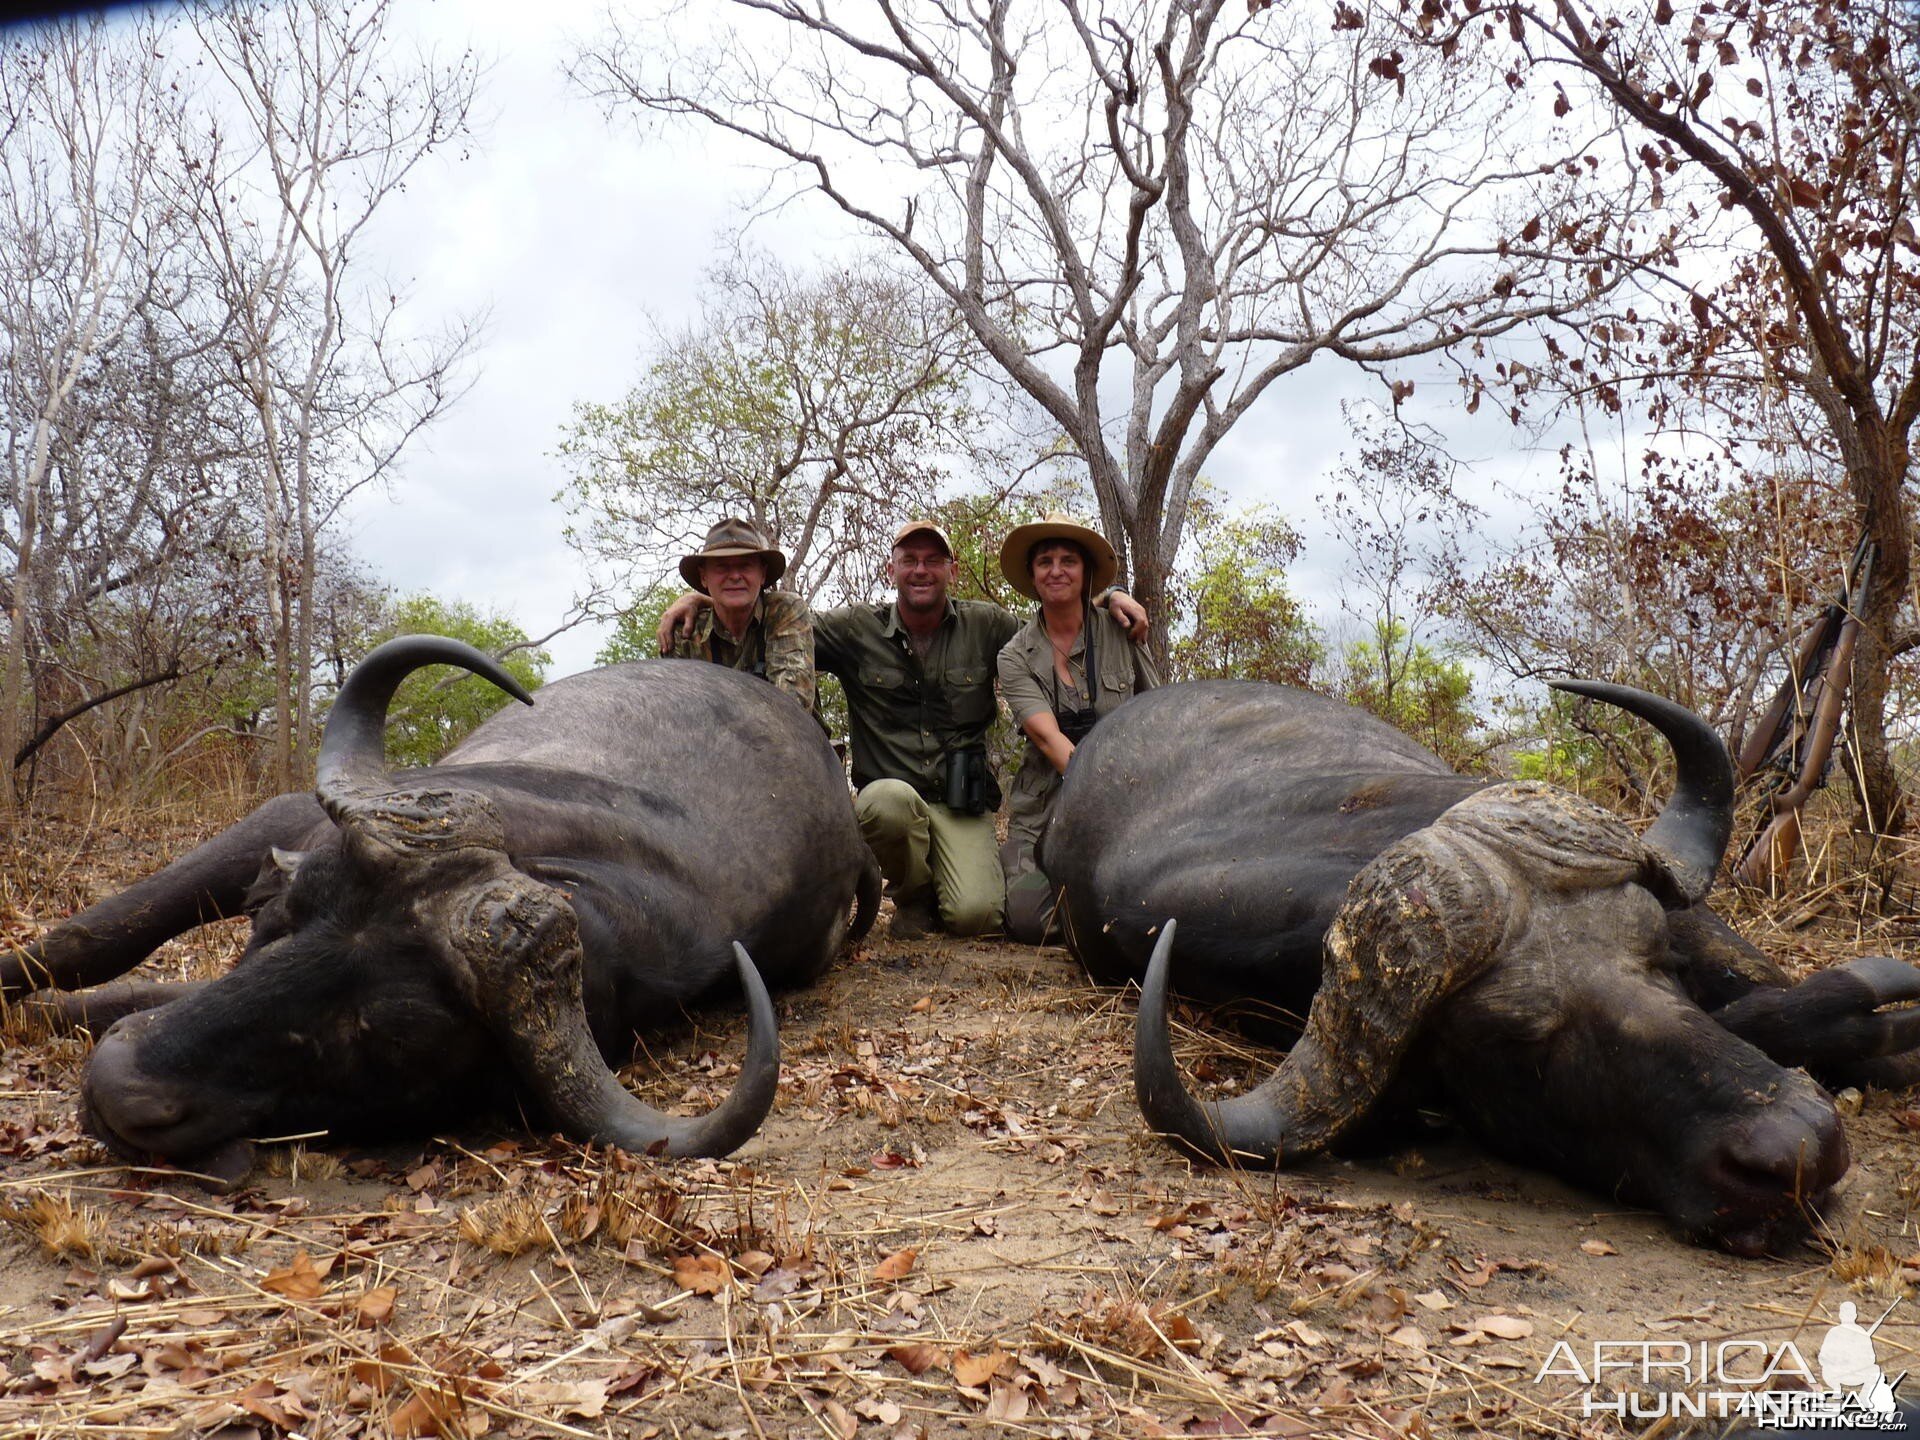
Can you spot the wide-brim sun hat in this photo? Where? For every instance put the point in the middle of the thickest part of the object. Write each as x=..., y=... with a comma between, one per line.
x=1102, y=564
x=733, y=536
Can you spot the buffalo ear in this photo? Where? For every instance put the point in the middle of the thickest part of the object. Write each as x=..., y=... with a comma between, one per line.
x=1676, y=887
x=276, y=874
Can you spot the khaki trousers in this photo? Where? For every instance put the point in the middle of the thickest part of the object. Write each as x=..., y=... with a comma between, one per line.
x=918, y=842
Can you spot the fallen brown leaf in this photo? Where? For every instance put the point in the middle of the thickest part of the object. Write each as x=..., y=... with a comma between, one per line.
x=583, y=1399
x=1507, y=1327
x=375, y=1307
x=754, y=1262
x=915, y=1359
x=1008, y=1403
x=896, y=1266
x=840, y=1419
x=302, y=1280
x=976, y=1370
x=431, y=1413
x=702, y=1274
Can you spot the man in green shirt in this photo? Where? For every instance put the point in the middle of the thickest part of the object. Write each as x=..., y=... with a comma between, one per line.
x=918, y=674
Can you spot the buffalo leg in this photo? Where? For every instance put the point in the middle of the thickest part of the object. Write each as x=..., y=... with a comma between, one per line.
x=92, y=1011
x=1851, y=1024
x=207, y=883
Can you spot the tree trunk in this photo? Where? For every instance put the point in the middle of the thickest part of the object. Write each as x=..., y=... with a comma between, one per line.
x=303, y=648
x=1150, y=589
x=1877, y=478
x=13, y=687
x=17, y=690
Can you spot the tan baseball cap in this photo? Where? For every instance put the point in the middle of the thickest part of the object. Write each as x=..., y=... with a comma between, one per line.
x=923, y=527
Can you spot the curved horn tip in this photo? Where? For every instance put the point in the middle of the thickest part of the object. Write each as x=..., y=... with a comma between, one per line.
x=1157, y=1087
x=760, y=1018
x=1692, y=832
x=737, y=1119
x=1151, y=1018
x=353, y=742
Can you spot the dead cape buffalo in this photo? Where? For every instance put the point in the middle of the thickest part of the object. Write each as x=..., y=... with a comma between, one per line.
x=482, y=931
x=1509, y=952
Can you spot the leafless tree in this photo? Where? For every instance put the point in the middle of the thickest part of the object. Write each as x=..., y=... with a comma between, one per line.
x=1148, y=211
x=1396, y=512
x=103, y=484
x=1684, y=574
x=322, y=118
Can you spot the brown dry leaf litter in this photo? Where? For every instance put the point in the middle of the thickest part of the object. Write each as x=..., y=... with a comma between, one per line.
x=953, y=1225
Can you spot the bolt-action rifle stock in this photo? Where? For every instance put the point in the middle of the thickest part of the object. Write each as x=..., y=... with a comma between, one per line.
x=1791, y=746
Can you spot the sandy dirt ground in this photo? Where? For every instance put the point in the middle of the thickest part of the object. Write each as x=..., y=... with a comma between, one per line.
x=953, y=1224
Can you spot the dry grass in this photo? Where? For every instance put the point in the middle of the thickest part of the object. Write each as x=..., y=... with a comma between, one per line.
x=65, y=1230
x=297, y=1163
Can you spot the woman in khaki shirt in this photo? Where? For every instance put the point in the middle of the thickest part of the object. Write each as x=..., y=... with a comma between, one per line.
x=1065, y=669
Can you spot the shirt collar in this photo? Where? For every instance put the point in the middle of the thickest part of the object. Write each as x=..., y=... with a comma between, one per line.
x=709, y=620
x=894, y=628
x=1034, y=637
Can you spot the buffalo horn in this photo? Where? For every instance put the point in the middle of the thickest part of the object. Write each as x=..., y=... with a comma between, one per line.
x=1322, y=1088
x=522, y=942
x=353, y=748
x=1690, y=836
x=1419, y=922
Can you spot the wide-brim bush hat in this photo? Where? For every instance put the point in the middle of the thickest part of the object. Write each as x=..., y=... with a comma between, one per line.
x=733, y=536
x=1015, y=552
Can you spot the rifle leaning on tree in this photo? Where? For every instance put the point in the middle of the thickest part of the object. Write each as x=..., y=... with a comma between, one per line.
x=1794, y=740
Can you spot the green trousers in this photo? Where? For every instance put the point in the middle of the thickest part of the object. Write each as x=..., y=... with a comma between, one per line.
x=919, y=842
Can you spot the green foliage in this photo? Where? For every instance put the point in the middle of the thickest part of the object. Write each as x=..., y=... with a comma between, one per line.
x=432, y=710
x=1232, y=615
x=824, y=407
x=1420, y=691
x=636, y=629
x=1594, y=750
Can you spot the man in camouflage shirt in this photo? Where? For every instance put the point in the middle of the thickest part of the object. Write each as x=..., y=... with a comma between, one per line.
x=748, y=627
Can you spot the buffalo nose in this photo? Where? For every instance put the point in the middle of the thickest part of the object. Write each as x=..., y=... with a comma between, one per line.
x=126, y=1102
x=1796, y=1147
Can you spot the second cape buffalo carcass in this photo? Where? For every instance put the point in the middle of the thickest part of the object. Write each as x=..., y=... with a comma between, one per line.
x=1509, y=952
x=493, y=928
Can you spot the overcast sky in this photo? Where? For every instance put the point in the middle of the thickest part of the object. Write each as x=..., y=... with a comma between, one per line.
x=570, y=230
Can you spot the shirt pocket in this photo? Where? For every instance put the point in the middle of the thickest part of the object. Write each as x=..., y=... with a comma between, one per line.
x=892, y=691
x=970, y=693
